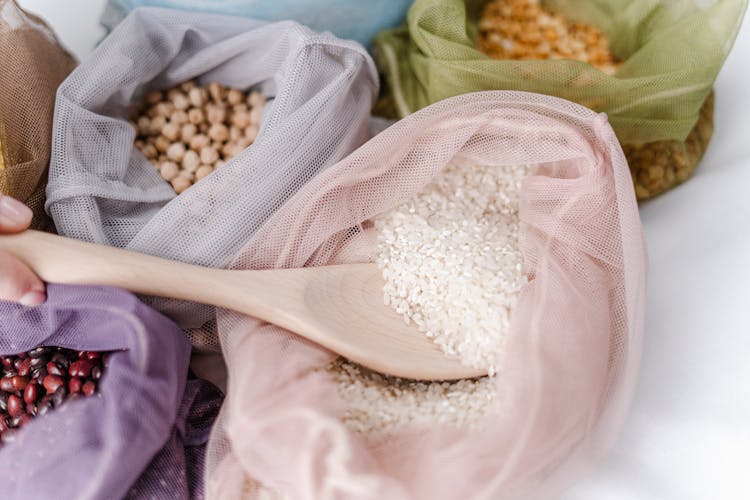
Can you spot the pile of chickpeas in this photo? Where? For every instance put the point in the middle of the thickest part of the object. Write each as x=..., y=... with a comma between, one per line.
x=189, y=131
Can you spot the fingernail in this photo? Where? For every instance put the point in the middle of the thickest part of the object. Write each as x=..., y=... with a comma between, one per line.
x=14, y=211
x=32, y=299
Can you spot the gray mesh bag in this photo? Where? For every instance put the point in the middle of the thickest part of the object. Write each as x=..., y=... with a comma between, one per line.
x=101, y=189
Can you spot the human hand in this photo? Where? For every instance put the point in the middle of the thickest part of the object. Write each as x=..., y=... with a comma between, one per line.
x=17, y=282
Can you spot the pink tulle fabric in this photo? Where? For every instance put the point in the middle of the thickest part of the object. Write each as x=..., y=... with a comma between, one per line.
x=573, y=350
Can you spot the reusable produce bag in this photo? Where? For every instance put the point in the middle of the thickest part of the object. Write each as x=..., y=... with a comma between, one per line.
x=103, y=190
x=658, y=102
x=98, y=446
x=572, y=351
x=350, y=19
x=180, y=463
x=33, y=65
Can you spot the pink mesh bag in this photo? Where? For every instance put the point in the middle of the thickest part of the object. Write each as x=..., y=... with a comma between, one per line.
x=572, y=353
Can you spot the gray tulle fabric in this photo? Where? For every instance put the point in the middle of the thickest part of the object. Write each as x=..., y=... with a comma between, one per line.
x=176, y=472
x=102, y=189
x=97, y=447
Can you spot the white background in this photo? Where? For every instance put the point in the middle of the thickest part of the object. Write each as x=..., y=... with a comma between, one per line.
x=688, y=436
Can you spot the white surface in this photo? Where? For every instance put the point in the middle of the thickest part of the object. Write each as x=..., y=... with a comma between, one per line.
x=75, y=21
x=688, y=437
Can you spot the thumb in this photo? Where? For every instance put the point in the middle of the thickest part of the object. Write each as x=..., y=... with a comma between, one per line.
x=14, y=215
x=18, y=283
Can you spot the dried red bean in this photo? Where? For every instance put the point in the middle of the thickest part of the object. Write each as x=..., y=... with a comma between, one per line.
x=24, y=369
x=52, y=383
x=58, y=397
x=43, y=406
x=6, y=384
x=19, y=382
x=39, y=361
x=38, y=352
x=81, y=368
x=7, y=362
x=74, y=385
x=88, y=388
x=96, y=373
x=21, y=420
x=31, y=394
x=54, y=369
x=15, y=405
x=39, y=372
x=61, y=360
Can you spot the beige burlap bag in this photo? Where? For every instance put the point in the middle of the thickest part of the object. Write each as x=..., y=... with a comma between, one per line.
x=33, y=65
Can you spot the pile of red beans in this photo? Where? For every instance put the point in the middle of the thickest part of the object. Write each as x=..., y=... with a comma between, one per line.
x=32, y=383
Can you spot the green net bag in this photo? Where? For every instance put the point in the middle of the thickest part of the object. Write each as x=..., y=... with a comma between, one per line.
x=659, y=100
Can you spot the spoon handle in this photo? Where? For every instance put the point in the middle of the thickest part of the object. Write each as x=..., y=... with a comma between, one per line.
x=56, y=259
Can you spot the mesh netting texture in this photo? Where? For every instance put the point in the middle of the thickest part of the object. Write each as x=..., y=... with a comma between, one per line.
x=349, y=19
x=97, y=447
x=34, y=64
x=571, y=355
x=659, y=96
x=101, y=189
x=176, y=472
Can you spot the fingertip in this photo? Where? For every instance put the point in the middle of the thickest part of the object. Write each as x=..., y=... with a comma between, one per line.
x=14, y=215
x=32, y=299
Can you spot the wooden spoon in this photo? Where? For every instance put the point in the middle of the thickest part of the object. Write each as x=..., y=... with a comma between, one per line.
x=339, y=307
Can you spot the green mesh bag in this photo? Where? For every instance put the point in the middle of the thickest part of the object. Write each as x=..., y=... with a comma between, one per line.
x=659, y=102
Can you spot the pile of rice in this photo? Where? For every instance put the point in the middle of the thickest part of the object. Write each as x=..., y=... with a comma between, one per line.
x=452, y=266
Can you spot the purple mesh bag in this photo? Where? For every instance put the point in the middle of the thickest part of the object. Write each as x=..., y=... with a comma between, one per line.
x=96, y=447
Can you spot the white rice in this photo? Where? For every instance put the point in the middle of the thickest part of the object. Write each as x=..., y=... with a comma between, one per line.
x=451, y=261
x=378, y=404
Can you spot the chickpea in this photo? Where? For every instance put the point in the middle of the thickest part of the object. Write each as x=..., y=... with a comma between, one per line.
x=169, y=170
x=176, y=152
x=209, y=155
x=162, y=144
x=203, y=171
x=180, y=101
x=234, y=96
x=197, y=97
x=191, y=161
x=216, y=113
x=255, y=115
x=171, y=131
x=198, y=142
x=218, y=132
x=187, y=132
x=196, y=116
x=180, y=184
x=216, y=90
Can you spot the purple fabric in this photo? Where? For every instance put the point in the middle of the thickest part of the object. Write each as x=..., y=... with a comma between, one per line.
x=95, y=447
x=176, y=473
